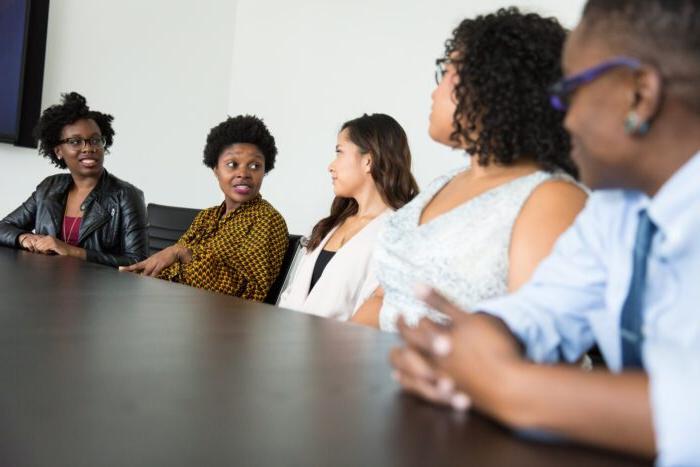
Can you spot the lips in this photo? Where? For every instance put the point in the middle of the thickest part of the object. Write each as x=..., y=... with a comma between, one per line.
x=89, y=162
x=242, y=189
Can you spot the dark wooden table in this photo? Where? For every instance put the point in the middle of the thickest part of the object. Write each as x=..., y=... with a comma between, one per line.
x=106, y=368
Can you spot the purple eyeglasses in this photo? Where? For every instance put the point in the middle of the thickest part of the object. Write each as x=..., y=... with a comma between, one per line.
x=561, y=91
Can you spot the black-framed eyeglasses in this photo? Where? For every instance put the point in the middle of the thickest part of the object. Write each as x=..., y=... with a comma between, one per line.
x=441, y=69
x=78, y=144
x=560, y=92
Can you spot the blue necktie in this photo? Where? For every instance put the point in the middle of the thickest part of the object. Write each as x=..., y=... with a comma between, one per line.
x=631, y=319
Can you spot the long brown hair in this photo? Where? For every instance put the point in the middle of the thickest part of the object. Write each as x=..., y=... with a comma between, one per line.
x=383, y=137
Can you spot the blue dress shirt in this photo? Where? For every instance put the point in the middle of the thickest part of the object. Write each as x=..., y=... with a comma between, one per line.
x=576, y=295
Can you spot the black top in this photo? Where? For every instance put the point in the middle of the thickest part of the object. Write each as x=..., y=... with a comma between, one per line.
x=321, y=262
x=113, y=229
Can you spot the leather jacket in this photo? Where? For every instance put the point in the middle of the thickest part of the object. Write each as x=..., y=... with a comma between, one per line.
x=113, y=229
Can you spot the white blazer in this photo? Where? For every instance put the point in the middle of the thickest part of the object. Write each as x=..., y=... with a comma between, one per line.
x=337, y=291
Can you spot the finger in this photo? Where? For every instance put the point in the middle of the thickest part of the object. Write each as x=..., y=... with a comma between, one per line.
x=132, y=268
x=428, y=337
x=442, y=391
x=152, y=269
x=437, y=301
x=411, y=363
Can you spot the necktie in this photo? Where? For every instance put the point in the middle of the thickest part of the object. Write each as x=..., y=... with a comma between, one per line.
x=631, y=318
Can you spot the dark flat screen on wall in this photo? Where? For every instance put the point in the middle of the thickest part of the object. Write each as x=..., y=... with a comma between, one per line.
x=23, y=25
x=13, y=22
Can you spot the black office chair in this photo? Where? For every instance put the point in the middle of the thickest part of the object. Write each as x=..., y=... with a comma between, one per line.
x=292, y=248
x=166, y=224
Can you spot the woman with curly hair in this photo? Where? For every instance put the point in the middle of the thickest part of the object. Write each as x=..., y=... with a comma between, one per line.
x=236, y=247
x=372, y=177
x=87, y=213
x=480, y=231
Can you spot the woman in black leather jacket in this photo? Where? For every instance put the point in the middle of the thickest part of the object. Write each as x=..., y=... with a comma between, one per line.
x=88, y=213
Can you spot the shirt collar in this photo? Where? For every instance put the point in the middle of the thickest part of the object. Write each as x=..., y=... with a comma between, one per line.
x=222, y=208
x=676, y=202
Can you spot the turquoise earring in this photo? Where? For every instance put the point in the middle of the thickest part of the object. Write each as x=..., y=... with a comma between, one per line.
x=634, y=126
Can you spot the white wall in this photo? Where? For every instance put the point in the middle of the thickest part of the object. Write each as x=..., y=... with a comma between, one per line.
x=162, y=68
x=309, y=65
x=169, y=70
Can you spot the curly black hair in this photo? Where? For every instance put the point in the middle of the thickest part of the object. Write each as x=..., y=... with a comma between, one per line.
x=659, y=32
x=241, y=129
x=506, y=62
x=73, y=107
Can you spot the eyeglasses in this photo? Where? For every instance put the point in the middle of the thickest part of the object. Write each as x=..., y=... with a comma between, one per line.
x=78, y=144
x=441, y=69
x=560, y=93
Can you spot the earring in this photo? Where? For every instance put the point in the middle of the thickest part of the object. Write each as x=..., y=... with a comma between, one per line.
x=634, y=126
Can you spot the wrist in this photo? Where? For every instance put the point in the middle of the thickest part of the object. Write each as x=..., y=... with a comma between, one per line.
x=511, y=403
x=76, y=252
x=183, y=254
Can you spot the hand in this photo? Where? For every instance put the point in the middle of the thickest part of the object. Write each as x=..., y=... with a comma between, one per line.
x=416, y=368
x=471, y=356
x=28, y=241
x=47, y=244
x=154, y=265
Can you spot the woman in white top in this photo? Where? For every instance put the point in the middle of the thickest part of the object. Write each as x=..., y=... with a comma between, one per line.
x=372, y=177
x=479, y=232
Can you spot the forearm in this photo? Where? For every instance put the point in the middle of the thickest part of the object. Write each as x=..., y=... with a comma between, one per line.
x=368, y=313
x=10, y=235
x=598, y=408
x=77, y=252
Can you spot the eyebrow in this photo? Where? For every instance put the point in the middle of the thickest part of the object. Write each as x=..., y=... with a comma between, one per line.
x=233, y=155
x=78, y=135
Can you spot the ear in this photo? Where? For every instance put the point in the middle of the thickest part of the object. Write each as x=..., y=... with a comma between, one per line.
x=58, y=152
x=647, y=97
x=367, y=162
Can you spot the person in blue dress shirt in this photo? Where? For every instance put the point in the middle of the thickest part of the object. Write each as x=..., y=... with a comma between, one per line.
x=625, y=276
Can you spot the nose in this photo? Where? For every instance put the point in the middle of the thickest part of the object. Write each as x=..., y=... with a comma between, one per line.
x=242, y=172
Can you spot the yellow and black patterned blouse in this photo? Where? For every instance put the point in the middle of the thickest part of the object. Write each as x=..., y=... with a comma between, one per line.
x=239, y=253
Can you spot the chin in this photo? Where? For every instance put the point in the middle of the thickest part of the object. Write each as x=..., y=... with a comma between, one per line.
x=242, y=198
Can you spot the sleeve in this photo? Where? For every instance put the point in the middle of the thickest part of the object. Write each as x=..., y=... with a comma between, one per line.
x=21, y=220
x=549, y=314
x=134, y=233
x=173, y=271
x=258, y=257
x=370, y=284
x=674, y=378
x=193, y=230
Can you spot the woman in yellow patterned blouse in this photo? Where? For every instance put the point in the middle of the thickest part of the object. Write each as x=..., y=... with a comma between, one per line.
x=237, y=247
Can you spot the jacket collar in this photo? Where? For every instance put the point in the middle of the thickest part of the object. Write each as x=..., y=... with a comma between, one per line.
x=95, y=215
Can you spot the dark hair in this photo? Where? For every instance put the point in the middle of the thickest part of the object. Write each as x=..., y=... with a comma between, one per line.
x=665, y=34
x=506, y=62
x=73, y=107
x=383, y=137
x=241, y=129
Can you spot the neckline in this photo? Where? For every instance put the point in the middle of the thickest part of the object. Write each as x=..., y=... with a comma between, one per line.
x=322, y=246
x=465, y=204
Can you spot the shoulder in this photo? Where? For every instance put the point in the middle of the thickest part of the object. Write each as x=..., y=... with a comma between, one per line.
x=552, y=204
x=265, y=211
x=115, y=184
x=207, y=213
x=54, y=181
x=555, y=191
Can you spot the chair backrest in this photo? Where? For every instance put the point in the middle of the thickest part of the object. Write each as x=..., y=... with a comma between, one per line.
x=292, y=248
x=166, y=224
